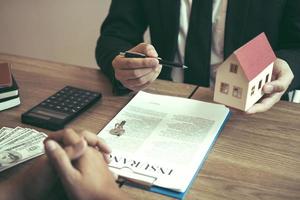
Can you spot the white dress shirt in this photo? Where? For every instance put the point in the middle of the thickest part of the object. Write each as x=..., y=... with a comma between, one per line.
x=217, y=42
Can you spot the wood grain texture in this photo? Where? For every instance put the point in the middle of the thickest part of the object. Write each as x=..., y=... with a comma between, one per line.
x=38, y=79
x=256, y=157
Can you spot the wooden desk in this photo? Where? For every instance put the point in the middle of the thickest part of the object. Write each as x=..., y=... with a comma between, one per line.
x=256, y=157
x=38, y=79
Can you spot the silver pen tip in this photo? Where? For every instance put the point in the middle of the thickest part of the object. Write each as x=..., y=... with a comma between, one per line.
x=184, y=67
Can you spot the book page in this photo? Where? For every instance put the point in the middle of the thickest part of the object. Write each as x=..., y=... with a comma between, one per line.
x=163, y=137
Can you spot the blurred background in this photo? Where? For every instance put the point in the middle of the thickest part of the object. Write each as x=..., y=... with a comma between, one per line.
x=63, y=31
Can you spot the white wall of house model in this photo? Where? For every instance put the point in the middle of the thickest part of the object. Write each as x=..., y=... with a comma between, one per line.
x=240, y=79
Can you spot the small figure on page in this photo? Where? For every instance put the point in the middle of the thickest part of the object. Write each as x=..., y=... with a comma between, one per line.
x=118, y=130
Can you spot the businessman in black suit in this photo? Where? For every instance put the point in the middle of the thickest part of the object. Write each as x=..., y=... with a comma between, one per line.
x=124, y=27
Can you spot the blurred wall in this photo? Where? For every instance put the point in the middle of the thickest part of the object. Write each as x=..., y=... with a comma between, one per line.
x=57, y=30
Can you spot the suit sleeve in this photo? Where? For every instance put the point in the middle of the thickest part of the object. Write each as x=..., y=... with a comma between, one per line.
x=122, y=29
x=289, y=42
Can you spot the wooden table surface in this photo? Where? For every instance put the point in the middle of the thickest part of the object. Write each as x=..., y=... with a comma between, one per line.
x=256, y=157
x=38, y=79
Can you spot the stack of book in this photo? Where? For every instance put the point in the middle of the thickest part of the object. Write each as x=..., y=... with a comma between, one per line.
x=9, y=91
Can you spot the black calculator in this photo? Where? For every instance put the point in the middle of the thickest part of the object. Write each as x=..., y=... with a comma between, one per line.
x=60, y=108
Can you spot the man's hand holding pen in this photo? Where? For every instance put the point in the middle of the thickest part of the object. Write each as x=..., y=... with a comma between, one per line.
x=137, y=73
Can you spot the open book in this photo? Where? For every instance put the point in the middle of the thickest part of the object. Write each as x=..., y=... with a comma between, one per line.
x=163, y=140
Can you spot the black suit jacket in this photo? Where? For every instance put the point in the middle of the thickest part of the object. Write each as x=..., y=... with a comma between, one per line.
x=127, y=21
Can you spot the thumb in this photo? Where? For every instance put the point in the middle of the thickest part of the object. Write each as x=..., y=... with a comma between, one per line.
x=59, y=159
x=274, y=86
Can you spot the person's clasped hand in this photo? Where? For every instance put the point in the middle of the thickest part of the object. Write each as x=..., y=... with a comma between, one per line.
x=39, y=180
x=137, y=73
x=88, y=176
x=281, y=79
x=74, y=143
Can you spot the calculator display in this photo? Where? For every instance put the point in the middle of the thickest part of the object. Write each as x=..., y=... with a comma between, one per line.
x=50, y=113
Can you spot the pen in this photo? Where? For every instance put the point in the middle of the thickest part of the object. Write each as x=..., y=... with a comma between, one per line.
x=165, y=63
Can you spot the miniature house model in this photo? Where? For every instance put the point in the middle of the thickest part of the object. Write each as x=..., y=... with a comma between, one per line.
x=240, y=79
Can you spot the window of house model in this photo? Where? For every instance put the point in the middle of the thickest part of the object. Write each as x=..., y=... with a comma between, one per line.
x=233, y=68
x=224, y=88
x=260, y=83
x=237, y=92
x=252, y=90
x=267, y=78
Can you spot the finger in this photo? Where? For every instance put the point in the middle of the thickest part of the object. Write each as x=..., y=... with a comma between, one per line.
x=141, y=87
x=121, y=62
x=125, y=74
x=140, y=81
x=58, y=136
x=259, y=107
x=157, y=72
x=115, y=176
x=265, y=104
x=155, y=75
x=88, y=161
x=146, y=49
x=282, y=77
x=95, y=141
x=275, y=86
x=66, y=137
x=60, y=160
x=107, y=158
x=76, y=150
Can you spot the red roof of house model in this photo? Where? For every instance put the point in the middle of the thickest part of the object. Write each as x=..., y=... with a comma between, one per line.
x=255, y=56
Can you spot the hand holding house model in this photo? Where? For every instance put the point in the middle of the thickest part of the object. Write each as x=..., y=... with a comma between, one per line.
x=240, y=79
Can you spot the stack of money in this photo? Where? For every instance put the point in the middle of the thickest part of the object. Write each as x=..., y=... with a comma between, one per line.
x=18, y=145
